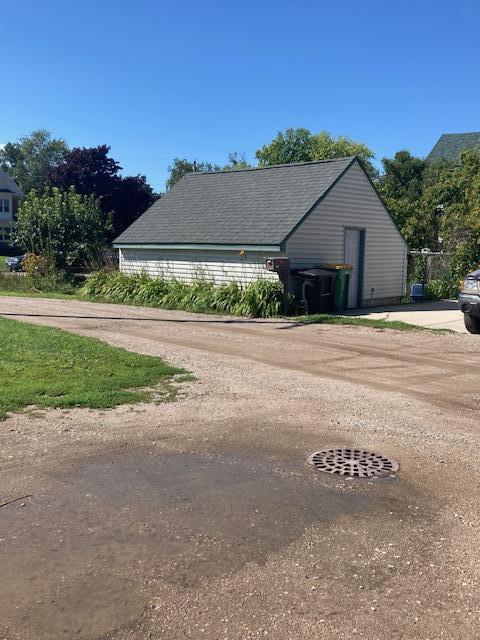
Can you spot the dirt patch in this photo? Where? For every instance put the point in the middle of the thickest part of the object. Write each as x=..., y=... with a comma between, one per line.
x=74, y=552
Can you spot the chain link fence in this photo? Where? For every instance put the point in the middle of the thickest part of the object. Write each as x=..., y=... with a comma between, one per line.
x=435, y=271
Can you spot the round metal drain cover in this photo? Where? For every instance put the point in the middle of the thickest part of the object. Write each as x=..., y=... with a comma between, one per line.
x=353, y=463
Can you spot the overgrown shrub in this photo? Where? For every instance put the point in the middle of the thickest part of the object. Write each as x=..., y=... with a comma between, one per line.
x=442, y=288
x=52, y=283
x=101, y=258
x=260, y=299
x=34, y=265
x=65, y=226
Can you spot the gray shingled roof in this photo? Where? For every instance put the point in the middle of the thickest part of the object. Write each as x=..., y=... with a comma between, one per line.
x=8, y=184
x=450, y=145
x=244, y=207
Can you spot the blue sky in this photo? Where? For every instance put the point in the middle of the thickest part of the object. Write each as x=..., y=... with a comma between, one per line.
x=157, y=80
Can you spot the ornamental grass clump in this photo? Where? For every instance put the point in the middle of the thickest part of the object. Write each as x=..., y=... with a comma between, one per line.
x=260, y=299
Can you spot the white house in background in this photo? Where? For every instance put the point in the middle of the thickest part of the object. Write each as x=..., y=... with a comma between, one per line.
x=221, y=226
x=10, y=196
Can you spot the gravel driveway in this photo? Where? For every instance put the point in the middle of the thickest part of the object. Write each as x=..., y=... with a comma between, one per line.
x=201, y=519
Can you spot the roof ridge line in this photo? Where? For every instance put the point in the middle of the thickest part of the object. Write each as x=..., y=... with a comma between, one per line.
x=463, y=133
x=271, y=166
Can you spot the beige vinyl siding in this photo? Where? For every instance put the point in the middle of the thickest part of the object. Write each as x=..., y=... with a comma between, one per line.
x=188, y=266
x=352, y=202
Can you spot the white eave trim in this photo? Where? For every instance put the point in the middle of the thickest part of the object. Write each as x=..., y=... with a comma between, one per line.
x=202, y=247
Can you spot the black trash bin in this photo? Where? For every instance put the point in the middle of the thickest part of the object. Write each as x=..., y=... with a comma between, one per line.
x=317, y=289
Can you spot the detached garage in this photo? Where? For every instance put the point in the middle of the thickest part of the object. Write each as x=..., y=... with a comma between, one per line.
x=222, y=226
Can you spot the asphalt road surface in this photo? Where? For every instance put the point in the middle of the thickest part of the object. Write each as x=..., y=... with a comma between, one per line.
x=201, y=518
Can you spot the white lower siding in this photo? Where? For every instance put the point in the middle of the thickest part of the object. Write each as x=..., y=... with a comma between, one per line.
x=188, y=266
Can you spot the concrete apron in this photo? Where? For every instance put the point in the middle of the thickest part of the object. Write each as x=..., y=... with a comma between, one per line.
x=437, y=314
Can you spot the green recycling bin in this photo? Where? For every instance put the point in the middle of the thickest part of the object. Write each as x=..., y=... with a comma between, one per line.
x=340, y=287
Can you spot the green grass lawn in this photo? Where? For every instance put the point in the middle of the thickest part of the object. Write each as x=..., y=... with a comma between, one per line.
x=3, y=263
x=48, y=367
x=16, y=293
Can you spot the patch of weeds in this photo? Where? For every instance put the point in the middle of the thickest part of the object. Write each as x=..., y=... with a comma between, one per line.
x=326, y=318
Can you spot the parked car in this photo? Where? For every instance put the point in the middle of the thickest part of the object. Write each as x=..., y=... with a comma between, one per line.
x=14, y=263
x=469, y=301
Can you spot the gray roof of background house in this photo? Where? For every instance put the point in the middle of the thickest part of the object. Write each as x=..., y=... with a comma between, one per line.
x=450, y=145
x=241, y=207
x=8, y=184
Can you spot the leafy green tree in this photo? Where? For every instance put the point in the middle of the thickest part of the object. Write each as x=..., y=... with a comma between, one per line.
x=416, y=228
x=236, y=160
x=401, y=186
x=293, y=145
x=402, y=176
x=31, y=159
x=301, y=145
x=181, y=166
x=456, y=188
x=437, y=200
x=65, y=227
x=326, y=146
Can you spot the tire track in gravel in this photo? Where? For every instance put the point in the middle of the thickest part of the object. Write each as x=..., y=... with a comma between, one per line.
x=272, y=356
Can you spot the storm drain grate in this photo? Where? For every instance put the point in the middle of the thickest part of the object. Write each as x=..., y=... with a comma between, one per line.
x=353, y=463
